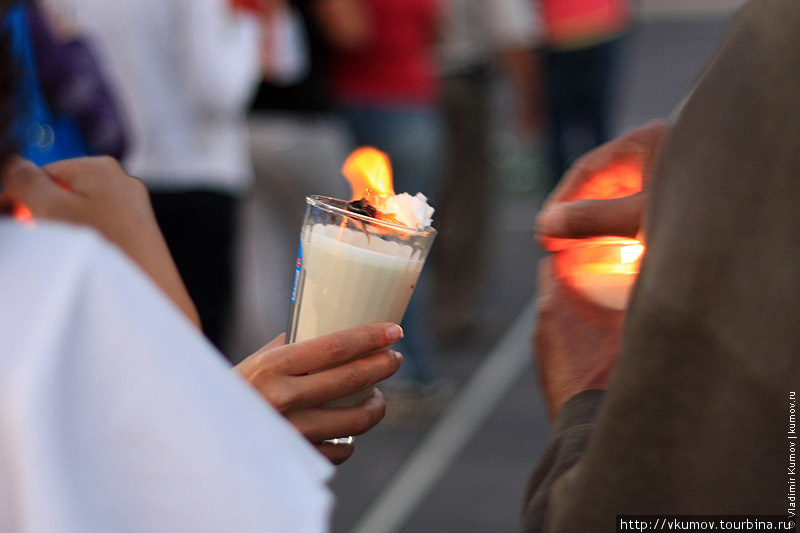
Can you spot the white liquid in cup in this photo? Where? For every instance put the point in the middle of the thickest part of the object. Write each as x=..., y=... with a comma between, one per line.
x=351, y=279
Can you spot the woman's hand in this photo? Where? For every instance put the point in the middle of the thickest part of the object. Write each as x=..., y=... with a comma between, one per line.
x=297, y=379
x=96, y=192
x=603, y=192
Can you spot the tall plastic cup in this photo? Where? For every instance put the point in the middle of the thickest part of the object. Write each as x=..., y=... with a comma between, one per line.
x=352, y=270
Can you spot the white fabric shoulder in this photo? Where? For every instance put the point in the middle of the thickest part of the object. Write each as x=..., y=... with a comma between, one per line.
x=116, y=415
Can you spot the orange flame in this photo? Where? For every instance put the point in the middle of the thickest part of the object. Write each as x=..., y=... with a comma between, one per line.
x=631, y=253
x=369, y=173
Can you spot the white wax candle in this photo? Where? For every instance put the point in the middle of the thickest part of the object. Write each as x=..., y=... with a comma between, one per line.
x=608, y=275
x=351, y=279
x=609, y=289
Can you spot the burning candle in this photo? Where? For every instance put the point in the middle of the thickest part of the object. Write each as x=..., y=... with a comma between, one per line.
x=602, y=270
x=359, y=261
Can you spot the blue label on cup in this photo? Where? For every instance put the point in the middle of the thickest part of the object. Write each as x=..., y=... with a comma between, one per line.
x=298, y=267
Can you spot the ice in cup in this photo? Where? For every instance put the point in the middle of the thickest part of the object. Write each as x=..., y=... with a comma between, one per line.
x=356, y=264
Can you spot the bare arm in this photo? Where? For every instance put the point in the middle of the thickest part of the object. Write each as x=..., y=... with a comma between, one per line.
x=96, y=192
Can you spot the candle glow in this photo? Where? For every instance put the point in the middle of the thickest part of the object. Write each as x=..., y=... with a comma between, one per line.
x=602, y=270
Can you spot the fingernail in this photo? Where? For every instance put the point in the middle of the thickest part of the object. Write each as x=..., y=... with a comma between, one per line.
x=394, y=332
x=552, y=222
x=398, y=355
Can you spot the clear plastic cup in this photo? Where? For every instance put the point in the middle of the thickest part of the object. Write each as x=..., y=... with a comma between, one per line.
x=352, y=270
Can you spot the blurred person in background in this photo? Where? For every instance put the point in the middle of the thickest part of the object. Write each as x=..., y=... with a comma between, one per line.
x=298, y=147
x=184, y=71
x=580, y=63
x=385, y=86
x=480, y=41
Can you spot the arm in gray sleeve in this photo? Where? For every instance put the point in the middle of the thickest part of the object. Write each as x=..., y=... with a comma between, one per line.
x=570, y=434
x=695, y=417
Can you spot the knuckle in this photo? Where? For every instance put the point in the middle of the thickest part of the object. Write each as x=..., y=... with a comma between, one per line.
x=357, y=378
x=332, y=347
x=281, y=396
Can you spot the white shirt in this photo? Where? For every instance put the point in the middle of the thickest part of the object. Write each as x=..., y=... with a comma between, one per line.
x=475, y=31
x=184, y=70
x=116, y=415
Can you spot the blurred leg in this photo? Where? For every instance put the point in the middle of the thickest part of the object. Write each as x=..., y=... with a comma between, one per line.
x=465, y=202
x=579, y=95
x=199, y=229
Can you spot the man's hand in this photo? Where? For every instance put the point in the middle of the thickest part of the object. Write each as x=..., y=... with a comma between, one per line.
x=603, y=193
x=96, y=192
x=297, y=379
x=576, y=342
x=600, y=193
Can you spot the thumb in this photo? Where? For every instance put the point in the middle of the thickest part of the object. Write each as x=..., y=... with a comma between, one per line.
x=589, y=218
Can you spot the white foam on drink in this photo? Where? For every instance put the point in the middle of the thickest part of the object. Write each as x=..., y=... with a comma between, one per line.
x=410, y=211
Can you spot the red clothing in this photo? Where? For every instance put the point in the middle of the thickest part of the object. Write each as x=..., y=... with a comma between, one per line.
x=248, y=5
x=576, y=22
x=397, y=65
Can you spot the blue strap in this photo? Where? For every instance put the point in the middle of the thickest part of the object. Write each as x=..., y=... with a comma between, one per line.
x=44, y=138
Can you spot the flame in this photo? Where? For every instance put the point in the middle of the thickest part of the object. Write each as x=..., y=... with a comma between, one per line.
x=600, y=256
x=630, y=253
x=369, y=173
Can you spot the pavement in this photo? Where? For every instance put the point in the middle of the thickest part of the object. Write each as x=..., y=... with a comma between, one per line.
x=687, y=8
x=464, y=469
